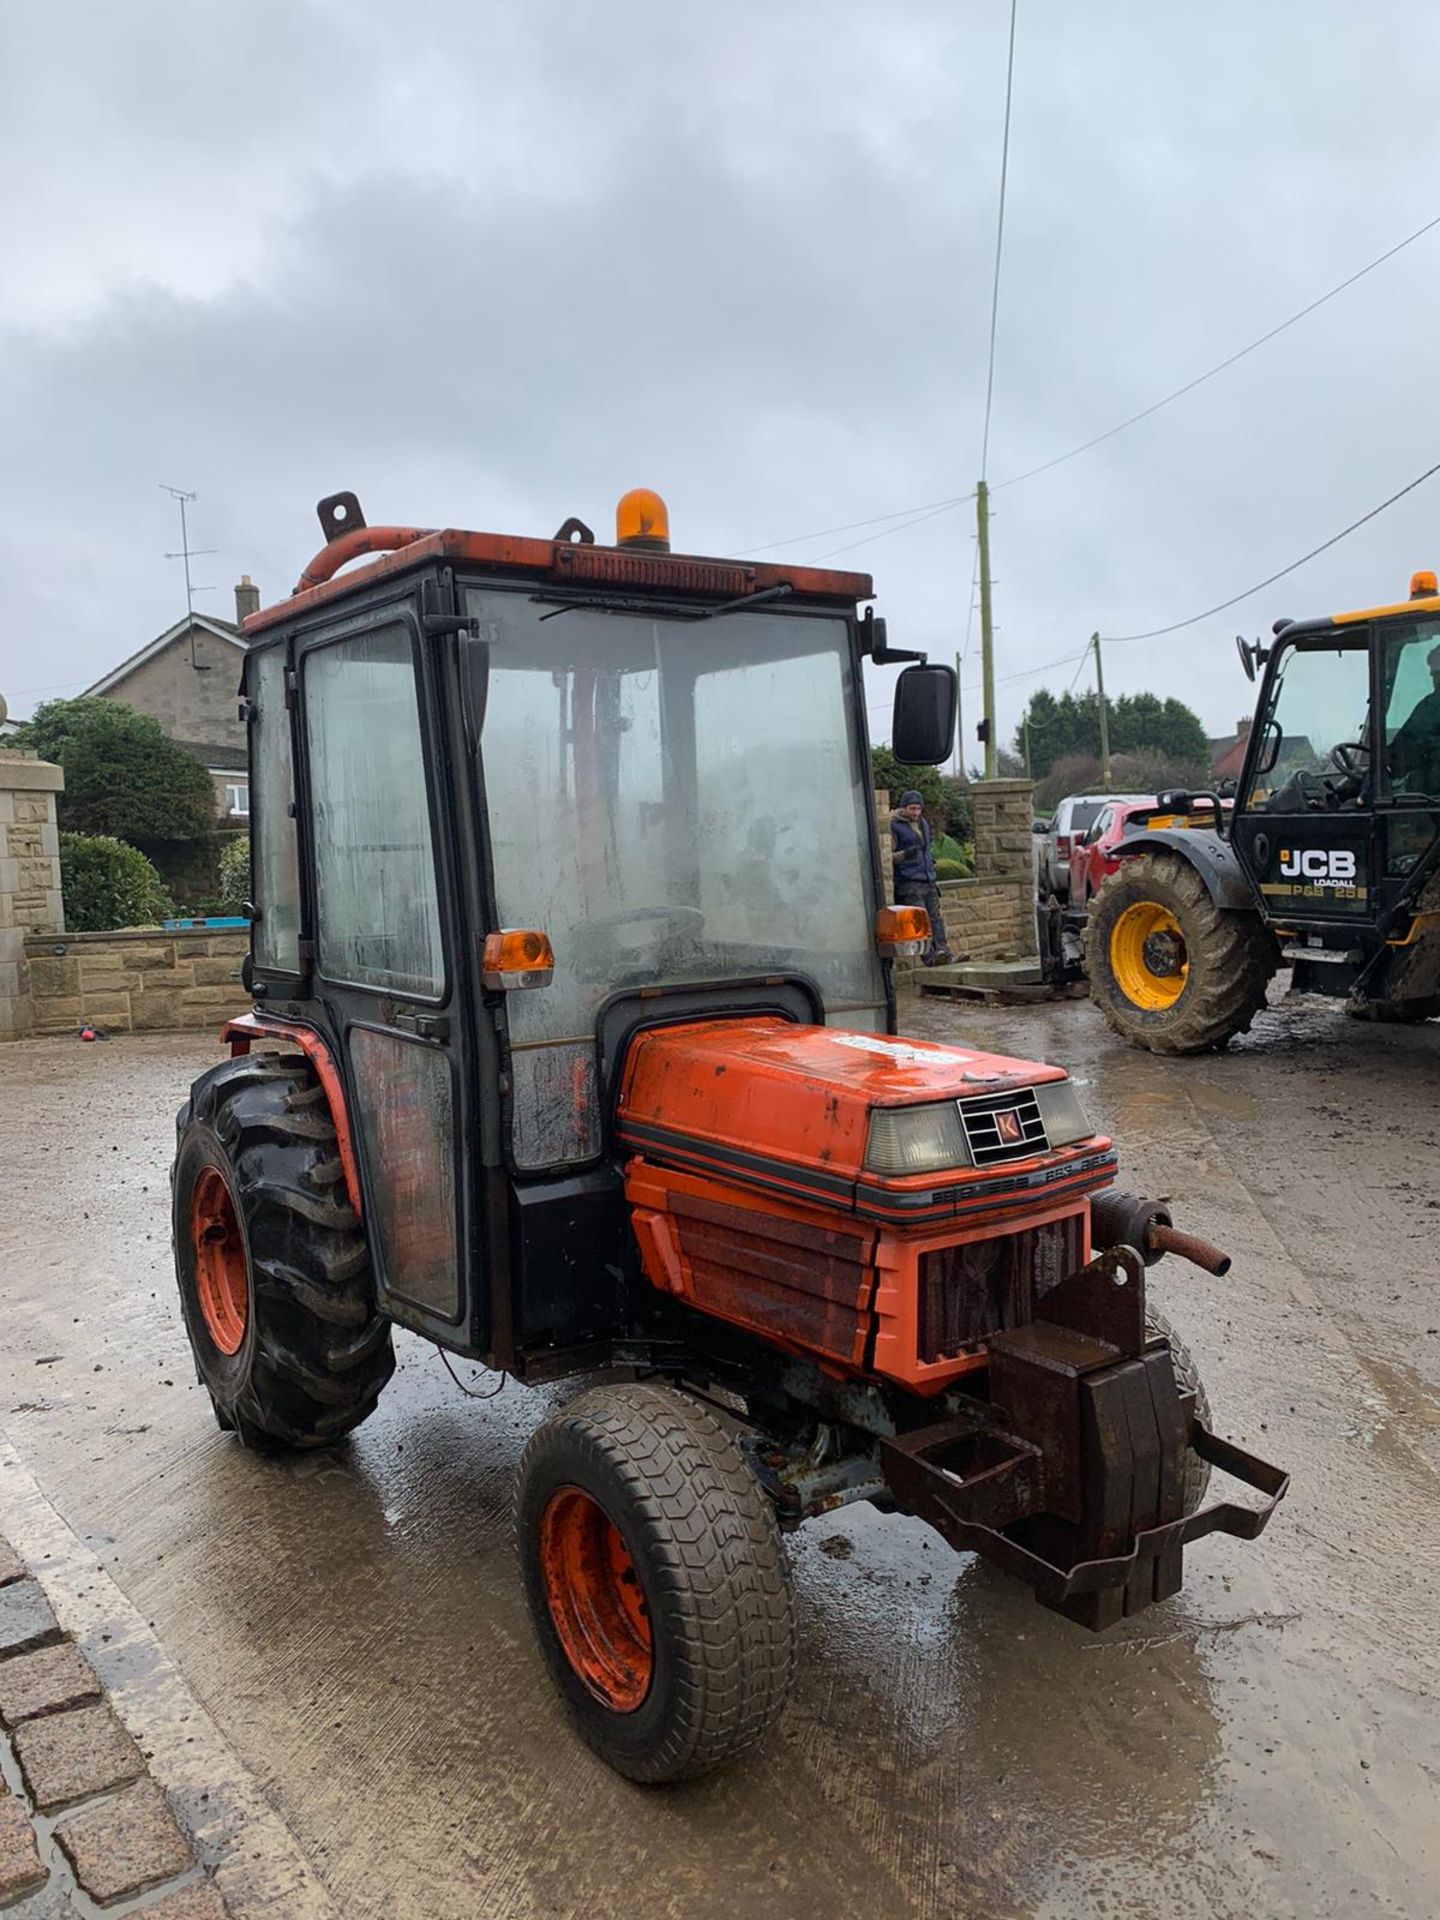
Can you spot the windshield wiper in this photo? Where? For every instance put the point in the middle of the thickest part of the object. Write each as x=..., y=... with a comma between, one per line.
x=676, y=609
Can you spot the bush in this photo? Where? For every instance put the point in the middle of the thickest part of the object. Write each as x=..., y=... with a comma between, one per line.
x=234, y=877
x=951, y=870
x=106, y=884
x=123, y=774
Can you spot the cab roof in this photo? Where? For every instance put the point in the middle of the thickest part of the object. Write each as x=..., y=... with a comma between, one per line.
x=572, y=561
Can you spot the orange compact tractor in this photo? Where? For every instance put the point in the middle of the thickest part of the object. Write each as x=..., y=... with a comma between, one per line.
x=572, y=1052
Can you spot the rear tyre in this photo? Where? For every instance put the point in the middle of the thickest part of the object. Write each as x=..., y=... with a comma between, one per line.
x=271, y=1261
x=1187, y=1379
x=656, y=1581
x=1169, y=969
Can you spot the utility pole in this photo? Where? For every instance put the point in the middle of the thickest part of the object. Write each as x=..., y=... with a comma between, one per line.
x=185, y=552
x=1025, y=725
x=987, y=631
x=1104, y=716
x=959, y=727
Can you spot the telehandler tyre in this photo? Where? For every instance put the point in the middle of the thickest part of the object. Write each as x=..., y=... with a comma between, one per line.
x=1169, y=969
x=656, y=1581
x=1187, y=1378
x=274, y=1271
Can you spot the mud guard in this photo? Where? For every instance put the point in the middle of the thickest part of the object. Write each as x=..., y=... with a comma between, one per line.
x=1212, y=858
x=245, y=1028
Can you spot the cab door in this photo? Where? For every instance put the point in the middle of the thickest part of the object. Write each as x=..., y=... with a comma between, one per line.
x=1304, y=824
x=384, y=948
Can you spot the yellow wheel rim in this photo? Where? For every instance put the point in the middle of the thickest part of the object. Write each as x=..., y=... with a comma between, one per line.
x=1148, y=956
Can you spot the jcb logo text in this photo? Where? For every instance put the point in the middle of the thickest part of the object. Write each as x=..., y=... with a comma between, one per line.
x=1313, y=863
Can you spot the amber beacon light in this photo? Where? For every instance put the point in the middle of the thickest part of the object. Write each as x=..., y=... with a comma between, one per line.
x=641, y=520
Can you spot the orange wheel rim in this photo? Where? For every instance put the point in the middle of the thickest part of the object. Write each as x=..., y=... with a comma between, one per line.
x=220, y=1277
x=596, y=1600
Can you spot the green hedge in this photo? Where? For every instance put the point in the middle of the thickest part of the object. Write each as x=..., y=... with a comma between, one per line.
x=106, y=884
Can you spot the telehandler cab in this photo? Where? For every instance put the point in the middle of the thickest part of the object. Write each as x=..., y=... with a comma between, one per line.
x=1330, y=860
x=572, y=1050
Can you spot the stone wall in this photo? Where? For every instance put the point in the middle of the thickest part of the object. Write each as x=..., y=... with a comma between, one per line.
x=991, y=917
x=135, y=982
x=29, y=876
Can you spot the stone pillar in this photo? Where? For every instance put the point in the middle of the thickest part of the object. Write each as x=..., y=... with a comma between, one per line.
x=1003, y=819
x=29, y=876
x=887, y=845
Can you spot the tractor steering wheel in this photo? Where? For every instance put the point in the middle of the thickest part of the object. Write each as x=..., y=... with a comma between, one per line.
x=674, y=917
x=598, y=957
x=1351, y=757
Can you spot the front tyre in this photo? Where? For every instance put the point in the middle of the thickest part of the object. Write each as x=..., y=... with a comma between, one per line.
x=1187, y=1379
x=271, y=1261
x=656, y=1581
x=1169, y=969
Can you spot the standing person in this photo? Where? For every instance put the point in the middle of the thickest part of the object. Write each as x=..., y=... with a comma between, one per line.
x=915, y=873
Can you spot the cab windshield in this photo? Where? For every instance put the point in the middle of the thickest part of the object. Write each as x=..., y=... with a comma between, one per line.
x=671, y=800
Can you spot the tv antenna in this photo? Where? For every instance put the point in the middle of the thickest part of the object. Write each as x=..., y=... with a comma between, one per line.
x=186, y=552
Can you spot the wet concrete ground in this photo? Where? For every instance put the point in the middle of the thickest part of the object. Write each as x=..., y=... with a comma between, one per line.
x=1265, y=1745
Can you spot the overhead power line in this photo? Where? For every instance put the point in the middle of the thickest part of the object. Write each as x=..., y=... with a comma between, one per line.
x=909, y=514
x=999, y=244
x=1031, y=673
x=875, y=520
x=850, y=546
x=1221, y=365
x=1176, y=626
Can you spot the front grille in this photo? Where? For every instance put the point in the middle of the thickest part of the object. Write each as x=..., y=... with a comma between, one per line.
x=1003, y=1126
x=982, y=1287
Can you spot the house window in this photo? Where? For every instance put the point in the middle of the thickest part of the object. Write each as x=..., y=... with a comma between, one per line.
x=237, y=798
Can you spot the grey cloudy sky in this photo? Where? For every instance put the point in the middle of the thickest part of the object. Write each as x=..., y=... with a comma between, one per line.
x=491, y=265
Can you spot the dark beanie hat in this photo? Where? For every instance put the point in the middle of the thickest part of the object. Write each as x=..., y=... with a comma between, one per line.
x=911, y=799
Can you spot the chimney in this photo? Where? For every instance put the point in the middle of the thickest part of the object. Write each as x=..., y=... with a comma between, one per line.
x=1242, y=727
x=247, y=599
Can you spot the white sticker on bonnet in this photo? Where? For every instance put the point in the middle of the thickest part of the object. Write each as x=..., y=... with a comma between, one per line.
x=898, y=1051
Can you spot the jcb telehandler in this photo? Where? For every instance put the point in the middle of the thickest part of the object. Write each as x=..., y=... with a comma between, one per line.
x=572, y=1051
x=1330, y=859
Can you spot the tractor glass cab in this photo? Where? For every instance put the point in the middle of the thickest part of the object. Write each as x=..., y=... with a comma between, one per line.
x=671, y=801
x=1410, y=692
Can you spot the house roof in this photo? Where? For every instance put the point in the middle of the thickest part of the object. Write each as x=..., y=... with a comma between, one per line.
x=1228, y=756
x=1228, y=763
x=222, y=630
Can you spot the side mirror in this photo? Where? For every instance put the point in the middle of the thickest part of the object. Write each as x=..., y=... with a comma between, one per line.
x=1039, y=827
x=1252, y=654
x=922, y=732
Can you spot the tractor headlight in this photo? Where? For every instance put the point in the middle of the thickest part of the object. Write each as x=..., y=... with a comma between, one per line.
x=916, y=1140
x=1063, y=1112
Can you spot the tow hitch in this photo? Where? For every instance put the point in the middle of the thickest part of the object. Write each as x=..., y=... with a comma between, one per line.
x=1071, y=1475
